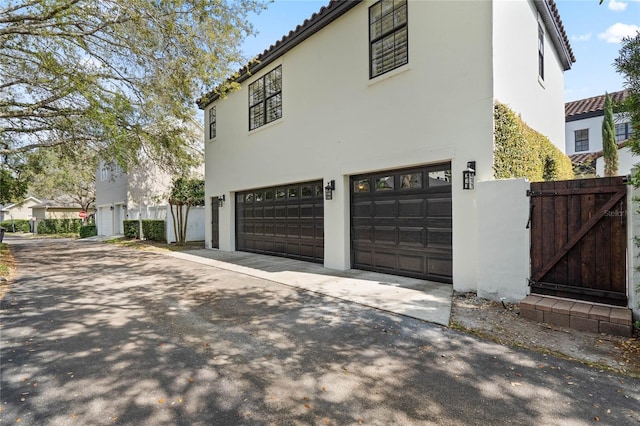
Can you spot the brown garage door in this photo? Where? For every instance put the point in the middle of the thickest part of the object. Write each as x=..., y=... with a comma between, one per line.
x=401, y=222
x=285, y=221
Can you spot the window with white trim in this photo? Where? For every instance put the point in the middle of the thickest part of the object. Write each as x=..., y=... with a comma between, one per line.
x=265, y=99
x=388, y=36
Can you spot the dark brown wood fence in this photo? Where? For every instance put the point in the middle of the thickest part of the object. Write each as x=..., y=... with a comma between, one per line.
x=579, y=239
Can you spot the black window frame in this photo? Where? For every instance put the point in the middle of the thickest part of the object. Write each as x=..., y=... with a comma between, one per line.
x=265, y=98
x=628, y=131
x=397, y=28
x=581, y=141
x=540, y=51
x=212, y=123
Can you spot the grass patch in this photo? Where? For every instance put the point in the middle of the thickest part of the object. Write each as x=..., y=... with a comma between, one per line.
x=7, y=265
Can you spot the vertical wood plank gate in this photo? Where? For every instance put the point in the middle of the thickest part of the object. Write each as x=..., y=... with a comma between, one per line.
x=579, y=239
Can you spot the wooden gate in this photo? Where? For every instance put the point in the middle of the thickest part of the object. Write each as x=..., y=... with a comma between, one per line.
x=579, y=239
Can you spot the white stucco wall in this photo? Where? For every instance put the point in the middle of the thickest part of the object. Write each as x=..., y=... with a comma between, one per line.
x=195, y=225
x=336, y=122
x=515, y=62
x=503, y=240
x=594, y=124
x=626, y=162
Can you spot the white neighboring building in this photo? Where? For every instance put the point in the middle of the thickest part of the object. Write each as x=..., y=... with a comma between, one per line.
x=583, y=130
x=347, y=142
x=19, y=210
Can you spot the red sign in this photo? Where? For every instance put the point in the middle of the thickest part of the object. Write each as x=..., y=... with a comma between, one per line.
x=82, y=214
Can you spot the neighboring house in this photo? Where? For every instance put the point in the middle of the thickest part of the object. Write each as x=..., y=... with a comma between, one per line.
x=583, y=126
x=139, y=194
x=19, y=210
x=57, y=209
x=348, y=141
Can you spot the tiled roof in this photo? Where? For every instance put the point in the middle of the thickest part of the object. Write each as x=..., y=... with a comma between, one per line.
x=587, y=157
x=590, y=107
x=337, y=8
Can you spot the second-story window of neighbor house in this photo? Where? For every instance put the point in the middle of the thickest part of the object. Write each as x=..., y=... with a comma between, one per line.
x=540, y=51
x=623, y=131
x=104, y=173
x=388, y=36
x=582, y=140
x=265, y=99
x=212, y=122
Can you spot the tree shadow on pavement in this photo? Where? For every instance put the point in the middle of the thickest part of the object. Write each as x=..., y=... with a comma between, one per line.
x=97, y=334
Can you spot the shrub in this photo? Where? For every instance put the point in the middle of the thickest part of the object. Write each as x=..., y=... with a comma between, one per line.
x=521, y=151
x=20, y=225
x=59, y=226
x=131, y=228
x=154, y=230
x=88, y=231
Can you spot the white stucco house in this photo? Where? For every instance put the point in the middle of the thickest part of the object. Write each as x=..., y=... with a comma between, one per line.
x=140, y=193
x=349, y=138
x=583, y=130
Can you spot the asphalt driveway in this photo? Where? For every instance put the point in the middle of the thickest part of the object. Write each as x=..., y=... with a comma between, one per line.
x=92, y=333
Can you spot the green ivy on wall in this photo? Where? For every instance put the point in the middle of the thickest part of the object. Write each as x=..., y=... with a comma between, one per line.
x=521, y=152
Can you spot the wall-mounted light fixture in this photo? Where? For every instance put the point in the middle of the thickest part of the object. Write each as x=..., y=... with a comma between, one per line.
x=111, y=208
x=469, y=176
x=328, y=190
x=221, y=199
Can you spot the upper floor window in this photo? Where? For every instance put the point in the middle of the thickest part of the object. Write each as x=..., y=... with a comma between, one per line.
x=265, y=99
x=212, y=122
x=623, y=131
x=540, y=51
x=388, y=36
x=582, y=140
x=104, y=173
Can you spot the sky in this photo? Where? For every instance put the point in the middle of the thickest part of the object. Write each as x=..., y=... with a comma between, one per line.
x=594, y=30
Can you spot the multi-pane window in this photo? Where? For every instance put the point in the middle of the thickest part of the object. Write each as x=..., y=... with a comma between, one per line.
x=582, y=140
x=212, y=122
x=623, y=131
x=540, y=51
x=388, y=36
x=265, y=99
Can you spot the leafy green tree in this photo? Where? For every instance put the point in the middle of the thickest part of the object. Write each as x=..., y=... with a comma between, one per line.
x=115, y=75
x=185, y=193
x=628, y=64
x=609, y=146
x=57, y=175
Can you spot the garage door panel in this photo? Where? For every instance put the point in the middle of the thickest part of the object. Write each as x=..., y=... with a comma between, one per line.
x=363, y=234
x=414, y=264
x=439, y=207
x=439, y=237
x=401, y=222
x=285, y=221
x=411, y=209
x=385, y=235
x=411, y=236
x=385, y=209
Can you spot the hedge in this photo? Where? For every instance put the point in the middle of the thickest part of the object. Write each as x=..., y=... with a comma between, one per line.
x=20, y=225
x=154, y=230
x=59, y=226
x=88, y=231
x=131, y=228
x=521, y=151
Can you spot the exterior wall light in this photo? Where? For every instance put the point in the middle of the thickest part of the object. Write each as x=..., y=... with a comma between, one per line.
x=221, y=199
x=328, y=190
x=111, y=208
x=469, y=176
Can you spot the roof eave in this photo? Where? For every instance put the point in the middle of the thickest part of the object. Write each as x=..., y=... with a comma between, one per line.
x=550, y=17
